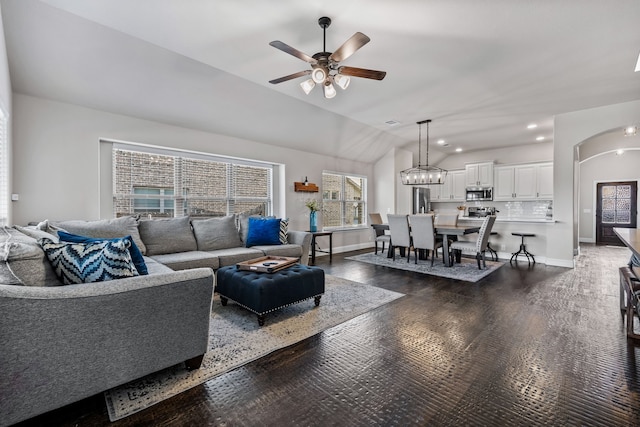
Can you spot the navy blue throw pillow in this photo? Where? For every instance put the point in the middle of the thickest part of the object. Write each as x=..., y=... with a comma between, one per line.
x=134, y=251
x=263, y=231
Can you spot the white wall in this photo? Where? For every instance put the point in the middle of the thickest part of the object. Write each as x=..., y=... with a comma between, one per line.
x=570, y=130
x=56, y=161
x=384, y=183
x=602, y=168
x=537, y=152
x=6, y=106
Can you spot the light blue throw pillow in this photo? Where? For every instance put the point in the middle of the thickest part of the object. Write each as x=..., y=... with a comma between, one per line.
x=263, y=231
x=76, y=263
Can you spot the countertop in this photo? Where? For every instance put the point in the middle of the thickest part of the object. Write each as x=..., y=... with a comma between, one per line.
x=507, y=219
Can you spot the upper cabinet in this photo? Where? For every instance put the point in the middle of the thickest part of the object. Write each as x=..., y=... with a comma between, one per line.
x=453, y=189
x=524, y=182
x=479, y=174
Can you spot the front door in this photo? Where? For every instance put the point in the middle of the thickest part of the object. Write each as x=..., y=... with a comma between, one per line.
x=616, y=207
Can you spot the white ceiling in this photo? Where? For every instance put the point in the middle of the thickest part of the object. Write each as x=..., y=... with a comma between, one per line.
x=482, y=70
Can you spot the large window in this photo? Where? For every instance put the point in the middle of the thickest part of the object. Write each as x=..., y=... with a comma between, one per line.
x=343, y=200
x=162, y=183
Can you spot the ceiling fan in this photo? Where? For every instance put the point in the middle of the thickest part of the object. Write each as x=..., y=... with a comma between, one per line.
x=325, y=68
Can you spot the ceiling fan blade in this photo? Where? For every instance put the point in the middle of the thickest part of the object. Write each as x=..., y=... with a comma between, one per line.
x=293, y=51
x=362, y=72
x=349, y=47
x=290, y=77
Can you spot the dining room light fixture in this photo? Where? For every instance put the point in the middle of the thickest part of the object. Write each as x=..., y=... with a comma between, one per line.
x=423, y=174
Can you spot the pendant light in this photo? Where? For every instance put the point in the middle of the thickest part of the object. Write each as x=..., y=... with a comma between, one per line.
x=423, y=174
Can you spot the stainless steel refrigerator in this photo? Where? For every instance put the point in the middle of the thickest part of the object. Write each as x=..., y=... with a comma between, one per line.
x=421, y=200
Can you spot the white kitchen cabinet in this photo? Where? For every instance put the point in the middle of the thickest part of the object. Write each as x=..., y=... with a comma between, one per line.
x=479, y=174
x=524, y=182
x=458, y=185
x=504, y=183
x=545, y=181
x=453, y=189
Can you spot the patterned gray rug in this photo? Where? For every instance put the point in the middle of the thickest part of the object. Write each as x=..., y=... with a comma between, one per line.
x=236, y=339
x=467, y=270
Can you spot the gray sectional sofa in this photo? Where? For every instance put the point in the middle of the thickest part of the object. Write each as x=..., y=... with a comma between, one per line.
x=62, y=343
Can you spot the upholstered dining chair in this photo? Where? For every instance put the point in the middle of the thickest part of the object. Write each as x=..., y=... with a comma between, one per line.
x=479, y=246
x=448, y=220
x=379, y=234
x=400, y=235
x=423, y=235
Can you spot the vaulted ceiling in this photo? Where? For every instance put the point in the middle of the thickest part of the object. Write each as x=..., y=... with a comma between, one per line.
x=481, y=70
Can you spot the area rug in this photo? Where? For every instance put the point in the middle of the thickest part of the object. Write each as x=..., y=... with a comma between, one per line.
x=467, y=270
x=236, y=339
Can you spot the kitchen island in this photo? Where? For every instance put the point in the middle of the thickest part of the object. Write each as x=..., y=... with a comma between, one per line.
x=505, y=244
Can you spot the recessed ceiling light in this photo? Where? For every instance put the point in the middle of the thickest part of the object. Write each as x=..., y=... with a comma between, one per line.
x=441, y=142
x=630, y=130
x=392, y=122
x=619, y=152
x=458, y=150
x=540, y=138
x=532, y=126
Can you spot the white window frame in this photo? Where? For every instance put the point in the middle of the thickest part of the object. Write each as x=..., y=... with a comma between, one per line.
x=186, y=154
x=341, y=198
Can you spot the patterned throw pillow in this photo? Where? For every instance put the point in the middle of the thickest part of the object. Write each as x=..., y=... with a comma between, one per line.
x=134, y=251
x=284, y=230
x=89, y=262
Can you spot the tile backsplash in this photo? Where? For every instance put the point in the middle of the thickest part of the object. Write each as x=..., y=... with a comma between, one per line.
x=530, y=209
x=538, y=209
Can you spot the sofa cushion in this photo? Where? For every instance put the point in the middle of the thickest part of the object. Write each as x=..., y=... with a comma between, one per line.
x=90, y=262
x=186, y=260
x=216, y=233
x=280, y=250
x=243, y=225
x=263, y=231
x=136, y=255
x=232, y=256
x=25, y=260
x=106, y=228
x=36, y=233
x=167, y=236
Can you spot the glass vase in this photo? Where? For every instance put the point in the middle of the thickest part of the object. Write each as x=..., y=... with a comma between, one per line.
x=313, y=221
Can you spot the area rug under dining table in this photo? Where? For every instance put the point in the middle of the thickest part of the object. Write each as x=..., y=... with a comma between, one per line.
x=467, y=270
x=235, y=339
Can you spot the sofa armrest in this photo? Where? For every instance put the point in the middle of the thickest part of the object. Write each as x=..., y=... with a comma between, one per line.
x=303, y=239
x=65, y=343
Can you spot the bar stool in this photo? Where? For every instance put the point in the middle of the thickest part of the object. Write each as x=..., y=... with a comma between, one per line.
x=523, y=249
x=494, y=254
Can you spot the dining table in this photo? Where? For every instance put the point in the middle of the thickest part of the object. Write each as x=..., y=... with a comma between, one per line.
x=445, y=231
x=453, y=230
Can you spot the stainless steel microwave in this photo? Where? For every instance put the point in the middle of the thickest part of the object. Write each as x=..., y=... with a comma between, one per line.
x=479, y=194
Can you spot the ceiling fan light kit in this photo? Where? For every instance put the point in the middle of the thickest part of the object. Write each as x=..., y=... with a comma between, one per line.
x=423, y=174
x=325, y=65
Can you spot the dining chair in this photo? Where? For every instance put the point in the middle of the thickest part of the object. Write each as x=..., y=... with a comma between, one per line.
x=380, y=235
x=423, y=235
x=479, y=246
x=375, y=218
x=400, y=235
x=446, y=220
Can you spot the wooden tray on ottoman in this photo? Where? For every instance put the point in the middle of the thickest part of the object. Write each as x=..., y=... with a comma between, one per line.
x=267, y=264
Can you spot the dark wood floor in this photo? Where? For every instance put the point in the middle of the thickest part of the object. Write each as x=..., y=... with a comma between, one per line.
x=524, y=346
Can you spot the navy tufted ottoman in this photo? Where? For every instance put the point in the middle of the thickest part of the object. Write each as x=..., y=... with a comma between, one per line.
x=262, y=293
